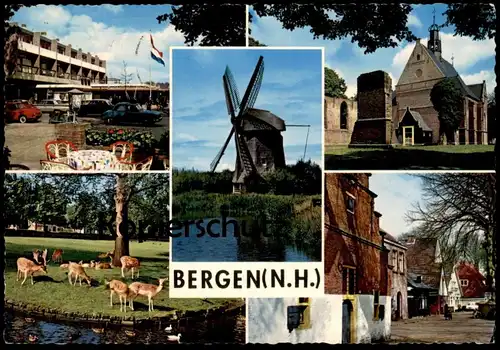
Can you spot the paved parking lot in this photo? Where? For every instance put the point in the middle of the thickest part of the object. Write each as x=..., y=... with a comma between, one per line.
x=435, y=329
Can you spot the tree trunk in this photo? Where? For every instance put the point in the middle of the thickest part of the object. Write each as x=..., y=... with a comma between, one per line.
x=121, y=240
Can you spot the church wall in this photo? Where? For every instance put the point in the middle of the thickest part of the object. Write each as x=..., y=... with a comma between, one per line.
x=334, y=135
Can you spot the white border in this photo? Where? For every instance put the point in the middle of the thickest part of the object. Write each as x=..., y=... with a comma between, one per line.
x=170, y=162
x=289, y=48
x=322, y=165
x=409, y=172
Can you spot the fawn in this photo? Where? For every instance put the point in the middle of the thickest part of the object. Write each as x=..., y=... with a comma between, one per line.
x=129, y=263
x=79, y=272
x=111, y=253
x=147, y=290
x=57, y=255
x=123, y=292
x=29, y=267
x=90, y=264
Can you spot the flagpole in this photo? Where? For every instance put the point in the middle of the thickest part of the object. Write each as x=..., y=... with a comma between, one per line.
x=150, y=70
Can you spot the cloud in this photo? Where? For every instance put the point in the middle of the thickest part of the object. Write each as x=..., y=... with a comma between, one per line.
x=397, y=193
x=476, y=78
x=113, y=8
x=414, y=21
x=111, y=43
x=186, y=137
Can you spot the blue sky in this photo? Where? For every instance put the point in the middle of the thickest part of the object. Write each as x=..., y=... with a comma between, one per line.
x=396, y=194
x=474, y=60
x=111, y=32
x=291, y=89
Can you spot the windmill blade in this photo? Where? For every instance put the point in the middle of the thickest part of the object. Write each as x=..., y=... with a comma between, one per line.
x=244, y=155
x=232, y=89
x=230, y=98
x=253, y=88
x=219, y=155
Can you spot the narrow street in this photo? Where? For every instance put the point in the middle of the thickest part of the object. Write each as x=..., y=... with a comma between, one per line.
x=435, y=329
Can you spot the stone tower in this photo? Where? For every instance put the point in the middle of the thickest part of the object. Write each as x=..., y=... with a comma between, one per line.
x=374, y=123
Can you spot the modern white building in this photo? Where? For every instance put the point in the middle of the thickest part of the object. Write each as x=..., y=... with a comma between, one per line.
x=329, y=319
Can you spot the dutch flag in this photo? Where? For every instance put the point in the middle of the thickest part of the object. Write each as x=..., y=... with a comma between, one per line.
x=155, y=53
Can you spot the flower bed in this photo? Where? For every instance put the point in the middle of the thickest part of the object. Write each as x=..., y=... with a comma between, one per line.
x=141, y=139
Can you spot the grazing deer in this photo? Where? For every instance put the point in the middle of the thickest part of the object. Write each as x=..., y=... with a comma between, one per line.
x=129, y=263
x=29, y=267
x=57, y=255
x=123, y=292
x=36, y=255
x=147, y=290
x=79, y=272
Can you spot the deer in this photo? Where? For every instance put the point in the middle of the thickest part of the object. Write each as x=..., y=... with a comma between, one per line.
x=147, y=290
x=129, y=263
x=79, y=272
x=64, y=266
x=111, y=253
x=103, y=265
x=123, y=292
x=57, y=256
x=90, y=264
x=29, y=267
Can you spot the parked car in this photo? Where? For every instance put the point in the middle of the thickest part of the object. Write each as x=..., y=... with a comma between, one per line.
x=21, y=112
x=49, y=106
x=94, y=108
x=125, y=112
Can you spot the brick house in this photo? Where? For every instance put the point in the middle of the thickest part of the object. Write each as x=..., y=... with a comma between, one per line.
x=425, y=268
x=399, y=282
x=415, y=120
x=472, y=284
x=356, y=261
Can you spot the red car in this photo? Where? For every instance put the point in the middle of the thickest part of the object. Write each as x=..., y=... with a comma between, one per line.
x=21, y=112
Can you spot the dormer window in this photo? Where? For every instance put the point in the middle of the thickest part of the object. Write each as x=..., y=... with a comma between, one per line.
x=464, y=283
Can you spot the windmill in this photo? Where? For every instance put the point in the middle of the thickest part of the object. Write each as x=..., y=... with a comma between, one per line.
x=257, y=133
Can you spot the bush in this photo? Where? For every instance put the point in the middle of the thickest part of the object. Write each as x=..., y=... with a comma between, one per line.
x=140, y=139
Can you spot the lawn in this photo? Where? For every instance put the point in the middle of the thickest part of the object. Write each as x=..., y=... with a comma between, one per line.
x=53, y=291
x=449, y=157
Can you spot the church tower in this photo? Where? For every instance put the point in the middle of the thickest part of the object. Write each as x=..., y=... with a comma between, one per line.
x=434, y=43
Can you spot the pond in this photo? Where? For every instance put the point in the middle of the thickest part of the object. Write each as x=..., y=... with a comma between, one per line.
x=252, y=245
x=229, y=329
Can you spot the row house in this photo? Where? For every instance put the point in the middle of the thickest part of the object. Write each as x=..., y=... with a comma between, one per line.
x=399, y=279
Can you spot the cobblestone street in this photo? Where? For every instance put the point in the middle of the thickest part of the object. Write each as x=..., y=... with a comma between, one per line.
x=435, y=329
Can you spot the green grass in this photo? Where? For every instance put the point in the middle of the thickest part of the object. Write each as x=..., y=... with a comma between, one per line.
x=53, y=291
x=435, y=157
x=341, y=150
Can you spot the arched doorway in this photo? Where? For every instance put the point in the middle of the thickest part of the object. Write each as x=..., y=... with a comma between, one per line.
x=347, y=322
x=399, y=302
x=343, y=115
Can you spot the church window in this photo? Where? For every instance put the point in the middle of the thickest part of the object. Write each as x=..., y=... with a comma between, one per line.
x=464, y=283
x=418, y=57
x=418, y=73
x=343, y=115
x=376, y=305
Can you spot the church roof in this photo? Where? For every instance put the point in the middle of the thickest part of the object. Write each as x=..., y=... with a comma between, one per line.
x=477, y=89
x=450, y=72
x=418, y=118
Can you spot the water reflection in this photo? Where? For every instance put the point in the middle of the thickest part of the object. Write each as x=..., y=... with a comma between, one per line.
x=227, y=329
x=253, y=244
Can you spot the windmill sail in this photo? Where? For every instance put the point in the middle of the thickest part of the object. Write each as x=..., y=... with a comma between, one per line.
x=219, y=155
x=253, y=88
x=231, y=91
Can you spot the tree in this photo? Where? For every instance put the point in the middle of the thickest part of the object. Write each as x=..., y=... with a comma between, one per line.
x=375, y=26
x=460, y=212
x=253, y=42
x=447, y=100
x=10, y=40
x=212, y=24
x=335, y=86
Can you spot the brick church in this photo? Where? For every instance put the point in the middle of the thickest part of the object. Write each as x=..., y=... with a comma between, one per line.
x=406, y=116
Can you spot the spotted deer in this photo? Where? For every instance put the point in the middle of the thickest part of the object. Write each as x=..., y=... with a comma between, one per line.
x=78, y=271
x=28, y=267
x=57, y=256
x=129, y=263
x=147, y=290
x=123, y=292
